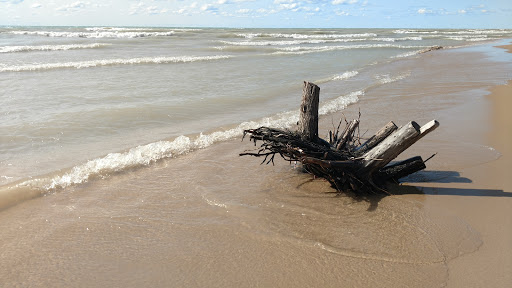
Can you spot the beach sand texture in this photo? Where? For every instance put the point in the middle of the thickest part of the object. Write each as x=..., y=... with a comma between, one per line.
x=213, y=219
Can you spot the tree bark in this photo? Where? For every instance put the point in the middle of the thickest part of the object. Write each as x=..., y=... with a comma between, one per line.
x=395, y=144
x=348, y=134
x=401, y=169
x=377, y=138
x=308, y=119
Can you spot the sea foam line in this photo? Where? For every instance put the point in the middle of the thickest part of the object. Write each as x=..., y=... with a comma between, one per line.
x=11, y=49
x=146, y=154
x=95, y=34
x=110, y=62
x=290, y=42
x=304, y=50
x=305, y=36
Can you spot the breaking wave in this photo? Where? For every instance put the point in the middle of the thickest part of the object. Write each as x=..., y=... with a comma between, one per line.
x=96, y=34
x=11, y=49
x=304, y=36
x=111, y=62
x=146, y=154
x=307, y=49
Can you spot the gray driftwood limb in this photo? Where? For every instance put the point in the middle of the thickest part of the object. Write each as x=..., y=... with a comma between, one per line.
x=348, y=134
x=377, y=138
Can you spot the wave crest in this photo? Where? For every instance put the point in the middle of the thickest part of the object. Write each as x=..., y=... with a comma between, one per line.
x=11, y=49
x=111, y=62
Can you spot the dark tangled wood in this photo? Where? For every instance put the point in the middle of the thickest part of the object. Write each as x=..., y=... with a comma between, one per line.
x=342, y=161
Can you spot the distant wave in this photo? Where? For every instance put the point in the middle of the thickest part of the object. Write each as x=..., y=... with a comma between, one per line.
x=468, y=31
x=388, y=39
x=301, y=41
x=96, y=34
x=471, y=38
x=110, y=62
x=305, y=36
x=11, y=49
x=146, y=154
x=307, y=49
x=130, y=29
x=289, y=42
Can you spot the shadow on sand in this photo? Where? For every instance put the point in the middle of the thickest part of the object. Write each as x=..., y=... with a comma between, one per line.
x=443, y=177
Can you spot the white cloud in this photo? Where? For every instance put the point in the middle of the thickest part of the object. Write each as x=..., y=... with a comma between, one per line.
x=209, y=7
x=342, y=13
x=233, y=1
x=462, y=11
x=338, y=2
x=288, y=6
x=142, y=9
x=12, y=1
x=424, y=11
x=243, y=11
x=73, y=7
x=36, y=5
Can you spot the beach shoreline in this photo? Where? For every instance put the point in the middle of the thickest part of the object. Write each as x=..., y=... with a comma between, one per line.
x=483, y=198
x=488, y=213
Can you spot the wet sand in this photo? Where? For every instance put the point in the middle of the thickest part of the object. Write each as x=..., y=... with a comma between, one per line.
x=212, y=219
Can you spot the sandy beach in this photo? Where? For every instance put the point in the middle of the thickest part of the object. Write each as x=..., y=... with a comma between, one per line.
x=489, y=210
x=482, y=197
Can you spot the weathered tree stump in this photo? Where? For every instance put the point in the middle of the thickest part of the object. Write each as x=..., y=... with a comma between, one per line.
x=341, y=161
x=308, y=118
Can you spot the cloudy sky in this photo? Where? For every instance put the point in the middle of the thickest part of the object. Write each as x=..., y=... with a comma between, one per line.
x=265, y=13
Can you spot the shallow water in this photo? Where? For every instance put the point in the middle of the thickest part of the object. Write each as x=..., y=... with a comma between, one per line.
x=74, y=94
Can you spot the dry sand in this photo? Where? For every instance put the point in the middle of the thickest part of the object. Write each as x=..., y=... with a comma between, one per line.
x=489, y=210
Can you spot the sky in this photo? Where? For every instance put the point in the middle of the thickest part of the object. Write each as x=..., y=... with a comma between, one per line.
x=264, y=14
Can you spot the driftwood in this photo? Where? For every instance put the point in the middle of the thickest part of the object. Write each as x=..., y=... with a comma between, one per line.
x=343, y=161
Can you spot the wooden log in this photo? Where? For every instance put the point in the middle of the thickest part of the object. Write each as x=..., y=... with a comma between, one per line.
x=401, y=169
x=308, y=119
x=377, y=138
x=347, y=134
x=348, y=164
x=395, y=144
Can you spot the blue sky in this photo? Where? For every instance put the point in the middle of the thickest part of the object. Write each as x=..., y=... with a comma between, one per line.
x=267, y=13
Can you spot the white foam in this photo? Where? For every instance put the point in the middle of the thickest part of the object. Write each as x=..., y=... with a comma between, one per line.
x=150, y=153
x=339, y=103
x=416, y=38
x=96, y=29
x=386, y=78
x=10, y=49
x=95, y=34
x=109, y=62
x=409, y=54
x=307, y=49
x=344, y=76
x=305, y=36
x=406, y=31
x=290, y=42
